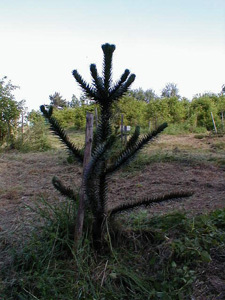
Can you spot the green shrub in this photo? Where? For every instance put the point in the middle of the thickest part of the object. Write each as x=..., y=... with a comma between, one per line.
x=73, y=117
x=35, y=138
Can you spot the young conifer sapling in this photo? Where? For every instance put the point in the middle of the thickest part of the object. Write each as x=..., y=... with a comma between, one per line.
x=103, y=163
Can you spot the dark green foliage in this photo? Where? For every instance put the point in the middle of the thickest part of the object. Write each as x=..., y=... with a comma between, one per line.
x=132, y=147
x=103, y=92
x=149, y=201
x=65, y=191
x=59, y=131
x=103, y=161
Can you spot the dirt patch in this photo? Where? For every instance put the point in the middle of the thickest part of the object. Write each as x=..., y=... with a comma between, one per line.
x=24, y=178
x=192, y=142
x=206, y=181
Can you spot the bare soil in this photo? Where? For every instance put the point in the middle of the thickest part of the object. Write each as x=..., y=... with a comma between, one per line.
x=24, y=178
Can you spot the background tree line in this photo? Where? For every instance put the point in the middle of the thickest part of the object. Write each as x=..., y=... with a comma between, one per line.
x=139, y=107
x=145, y=108
x=10, y=110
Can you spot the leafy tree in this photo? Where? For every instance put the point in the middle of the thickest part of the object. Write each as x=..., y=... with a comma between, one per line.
x=66, y=116
x=170, y=90
x=101, y=165
x=185, y=103
x=57, y=100
x=221, y=110
x=221, y=104
x=73, y=117
x=9, y=110
x=201, y=107
x=35, y=137
x=142, y=95
x=35, y=117
x=80, y=115
x=157, y=112
x=134, y=111
x=75, y=102
x=150, y=95
x=176, y=109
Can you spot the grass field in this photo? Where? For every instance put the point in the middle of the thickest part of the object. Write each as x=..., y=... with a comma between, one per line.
x=170, y=251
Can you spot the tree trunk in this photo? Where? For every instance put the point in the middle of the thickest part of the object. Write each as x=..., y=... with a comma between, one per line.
x=87, y=155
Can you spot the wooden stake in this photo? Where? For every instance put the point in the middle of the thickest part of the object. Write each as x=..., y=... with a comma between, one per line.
x=121, y=130
x=22, y=128
x=87, y=155
x=125, y=134
x=214, y=124
x=222, y=119
x=96, y=117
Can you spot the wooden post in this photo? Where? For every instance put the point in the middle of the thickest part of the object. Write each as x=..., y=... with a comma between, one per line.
x=121, y=130
x=8, y=133
x=87, y=156
x=96, y=117
x=214, y=124
x=149, y=125
x=125, y=134
x=22, y=128
x=222, y=118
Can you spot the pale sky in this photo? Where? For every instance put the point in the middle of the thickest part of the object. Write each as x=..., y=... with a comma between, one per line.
x=161, y=41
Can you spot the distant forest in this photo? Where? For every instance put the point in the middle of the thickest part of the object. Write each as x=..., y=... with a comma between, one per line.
x=146, y=109
x=138, y=107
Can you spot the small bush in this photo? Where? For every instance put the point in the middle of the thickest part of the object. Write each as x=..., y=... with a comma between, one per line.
x=183, y=128
x=35, y=138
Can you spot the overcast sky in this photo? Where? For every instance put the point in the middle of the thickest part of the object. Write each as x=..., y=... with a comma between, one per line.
x=161, y=41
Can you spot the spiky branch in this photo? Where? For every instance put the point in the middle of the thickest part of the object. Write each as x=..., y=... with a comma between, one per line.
x=60, y=133
x=133, y=148
x=148, y=201
x=103, y=92
x=65, y=191
x=107, y=65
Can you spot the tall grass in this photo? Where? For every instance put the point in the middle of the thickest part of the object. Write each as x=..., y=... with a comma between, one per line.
x=146, y=258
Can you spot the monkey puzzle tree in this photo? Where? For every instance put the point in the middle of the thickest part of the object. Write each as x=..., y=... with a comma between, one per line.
x=103, y=164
